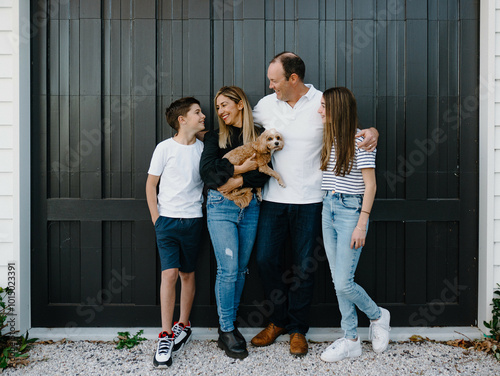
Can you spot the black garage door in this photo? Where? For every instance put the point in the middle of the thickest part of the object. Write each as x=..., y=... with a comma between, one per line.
x=103, y=73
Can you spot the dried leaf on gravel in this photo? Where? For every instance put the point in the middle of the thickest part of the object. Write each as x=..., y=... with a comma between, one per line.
x=460, y=343
x=417, y=338
x=487, y=345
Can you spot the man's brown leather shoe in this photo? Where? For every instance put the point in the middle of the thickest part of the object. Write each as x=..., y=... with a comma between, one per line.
x=268, y=335
x=298, y=344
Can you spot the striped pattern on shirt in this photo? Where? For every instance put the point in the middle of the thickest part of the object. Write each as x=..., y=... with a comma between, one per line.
x=351, y=183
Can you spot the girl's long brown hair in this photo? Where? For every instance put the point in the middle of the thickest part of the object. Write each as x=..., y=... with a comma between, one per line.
x=340, y=129
x=237, y=95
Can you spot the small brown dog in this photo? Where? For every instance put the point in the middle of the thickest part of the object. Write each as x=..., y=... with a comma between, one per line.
x=263, y=148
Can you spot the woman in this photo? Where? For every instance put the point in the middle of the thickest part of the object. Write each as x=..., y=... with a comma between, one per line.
x=232, y=230
x=349, y=182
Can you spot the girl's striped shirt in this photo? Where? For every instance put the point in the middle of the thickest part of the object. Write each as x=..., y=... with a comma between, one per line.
x=351, y=183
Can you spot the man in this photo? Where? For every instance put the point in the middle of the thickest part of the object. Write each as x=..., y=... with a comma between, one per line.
x=293, y=211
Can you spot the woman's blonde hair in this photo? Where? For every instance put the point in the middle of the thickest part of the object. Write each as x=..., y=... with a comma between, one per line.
x=340, y=129
x=237, y=95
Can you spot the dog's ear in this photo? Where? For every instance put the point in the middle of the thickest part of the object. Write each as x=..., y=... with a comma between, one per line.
x=261, y=143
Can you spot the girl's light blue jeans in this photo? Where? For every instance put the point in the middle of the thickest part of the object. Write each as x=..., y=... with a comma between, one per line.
x=340, y=217
x=232, y=231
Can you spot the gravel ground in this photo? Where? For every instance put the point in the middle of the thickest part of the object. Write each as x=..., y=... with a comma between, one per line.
x=205, y=358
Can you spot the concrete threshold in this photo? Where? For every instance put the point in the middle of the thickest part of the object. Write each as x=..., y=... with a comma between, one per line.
x=314, y=334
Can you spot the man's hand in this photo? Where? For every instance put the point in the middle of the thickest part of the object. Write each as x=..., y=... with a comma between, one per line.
x=201, y=135
x=371, y=139
x=231, y=184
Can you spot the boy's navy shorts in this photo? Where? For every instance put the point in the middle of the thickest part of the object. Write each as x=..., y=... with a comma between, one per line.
x=178, y=241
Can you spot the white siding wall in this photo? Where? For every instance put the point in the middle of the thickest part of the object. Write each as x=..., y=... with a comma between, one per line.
x=15, y=156
x=489, y=157
x=7, y=130
x=496, y=162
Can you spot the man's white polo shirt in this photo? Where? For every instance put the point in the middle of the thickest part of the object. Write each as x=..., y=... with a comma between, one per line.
x=299, y=161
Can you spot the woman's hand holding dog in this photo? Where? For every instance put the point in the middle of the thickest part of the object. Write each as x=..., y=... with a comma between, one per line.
x=249, y=165
x=231, y=184
x=237, y=180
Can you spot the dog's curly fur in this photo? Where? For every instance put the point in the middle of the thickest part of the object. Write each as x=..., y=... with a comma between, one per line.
x=263, y=147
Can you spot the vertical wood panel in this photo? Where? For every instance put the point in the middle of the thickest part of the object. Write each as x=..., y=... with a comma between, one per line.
x=144, y=140
x=196, y=73
x=363, y=71
x=74, y=57
x=237, y=57
x=253, y=58
x=416, y=109
x=75, y=266
x=90, y=8
x=416, y=9
x=415, y=262
x=91, y=260
x=90, y=57
x=89, y=147
x=218, y=53
x=64, y=144
x=64, y=103
x=54, y=264
x=469, y=143
x=254, y=9
x=144, y=266
x=307, y=45
x=74, y=139
x=143, y=101
x=65, y=276
x=54, y=146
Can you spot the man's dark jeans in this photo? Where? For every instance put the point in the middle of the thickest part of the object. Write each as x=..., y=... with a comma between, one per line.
x=290, y=293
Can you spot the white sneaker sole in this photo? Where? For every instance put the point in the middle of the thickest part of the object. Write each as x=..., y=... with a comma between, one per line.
x=166, y=364
x=353, y=354
x=378, y=351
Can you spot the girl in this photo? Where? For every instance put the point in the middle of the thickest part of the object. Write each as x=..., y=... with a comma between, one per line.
x=349, y=182
x=232, y=230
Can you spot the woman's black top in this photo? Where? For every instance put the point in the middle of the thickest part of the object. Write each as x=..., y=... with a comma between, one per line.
x=216, y=171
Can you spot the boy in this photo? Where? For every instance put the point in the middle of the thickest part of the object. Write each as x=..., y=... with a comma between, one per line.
x=177, y=217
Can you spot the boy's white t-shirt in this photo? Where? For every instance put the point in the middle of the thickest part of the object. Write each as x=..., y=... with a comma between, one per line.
x=181, y=187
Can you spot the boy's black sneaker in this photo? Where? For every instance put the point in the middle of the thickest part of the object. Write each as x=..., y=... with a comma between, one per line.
x=163, y=354
x=182, y=335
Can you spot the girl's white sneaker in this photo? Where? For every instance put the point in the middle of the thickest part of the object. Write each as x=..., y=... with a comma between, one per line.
x=379, y=331
x=341, y=349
